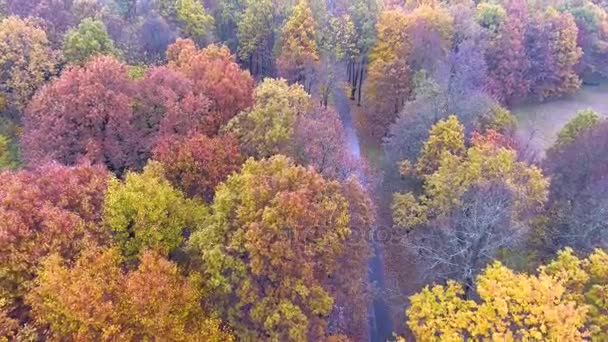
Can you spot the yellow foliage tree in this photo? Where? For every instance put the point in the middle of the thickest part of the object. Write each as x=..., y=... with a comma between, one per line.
x=446, y=136
x=511, y=307
x=95, y=300
x=402, y=40
x=448, y=171
x=26, y=60
x=299, y=53
x=587, y=284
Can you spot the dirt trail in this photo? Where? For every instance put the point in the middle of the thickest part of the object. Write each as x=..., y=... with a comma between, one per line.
x=538, y=124
x=380, y=326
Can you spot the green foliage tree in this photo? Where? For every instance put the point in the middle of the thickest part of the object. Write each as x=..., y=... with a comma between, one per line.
x=197, y=23
x=256, y=35
x=7, y=158
x=267, y=128
x=341, y=39
x=498, y=119
x=583, y=121
x=490, y=15
x=270, y=243
x=87, y=40
x=145, y=211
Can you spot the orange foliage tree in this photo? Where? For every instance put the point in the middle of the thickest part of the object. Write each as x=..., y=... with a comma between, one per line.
x=94, y=299
x=216, y=75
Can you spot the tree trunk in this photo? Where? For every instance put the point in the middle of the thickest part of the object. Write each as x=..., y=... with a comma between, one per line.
x=359, y=88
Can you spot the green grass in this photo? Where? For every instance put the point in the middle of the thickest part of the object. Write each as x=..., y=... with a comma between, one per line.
x=538, y=124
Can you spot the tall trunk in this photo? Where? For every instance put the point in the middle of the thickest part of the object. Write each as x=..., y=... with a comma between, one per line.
x=353, y=91
x=359, y=88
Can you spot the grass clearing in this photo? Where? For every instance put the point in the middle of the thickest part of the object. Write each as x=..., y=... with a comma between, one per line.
x=538, y=124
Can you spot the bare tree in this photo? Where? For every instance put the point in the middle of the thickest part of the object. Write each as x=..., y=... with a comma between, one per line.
x=459, y=245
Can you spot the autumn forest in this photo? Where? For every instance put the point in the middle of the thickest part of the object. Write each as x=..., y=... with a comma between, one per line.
x=303, y=170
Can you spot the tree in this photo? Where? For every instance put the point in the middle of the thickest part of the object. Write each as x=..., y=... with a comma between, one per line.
x=482, y=164
x=410, y=130
x=197, y=23
x=507, y=62
x=577, y=203
x=591, y=21
x=387, y=86
x=430, y=34
x=89, y=39
x=364, y=15
x=154, y=36
x=341, y=39
x=227, y=14
x=215, y=75
x=256, y=36
x=299, y=53
x=169, y=106
x=319, y=141
x=49, y=209
x=446, y=136
x=459, y=245
x=473, y=203
x=272, y=239
x=94, y=299
x=197, y=164
x=405, y=42
x=584, y=121
x=127, y=8
x=26, y=61
x=61, y=124
x=7, y=158
x=490, y=16
x=553, y=53
x=147, y=212
x=511, y=306
x=587, y=284
x=352, y=295
x=267, y=128
x=57, y=16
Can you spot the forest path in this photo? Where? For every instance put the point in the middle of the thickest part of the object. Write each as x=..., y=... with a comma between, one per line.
x=380, y=326
x=538, y=124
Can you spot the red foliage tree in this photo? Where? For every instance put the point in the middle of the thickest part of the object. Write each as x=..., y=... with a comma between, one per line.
x=506, y=59
x=167, y=105
x=47, y=210
x=493, y=138
x=197, y=164
x=216, y=75
x=553, y=52
x=86, y=113
x=320, y=141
